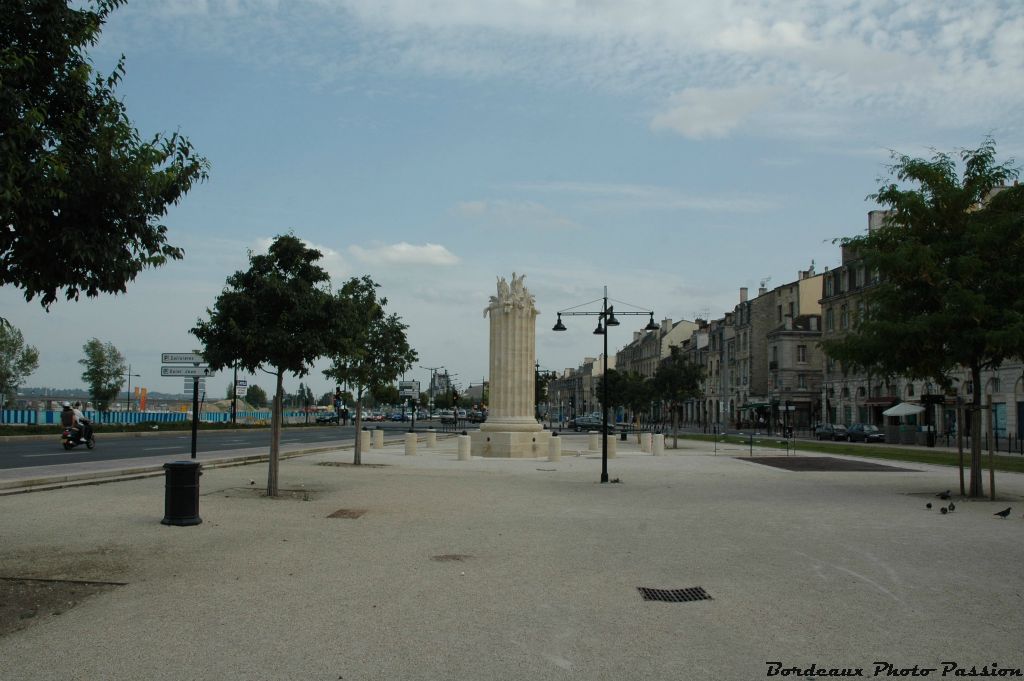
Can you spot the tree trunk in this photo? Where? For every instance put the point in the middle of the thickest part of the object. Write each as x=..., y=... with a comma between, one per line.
x=275, y=437
x=357, y=457
x=976, y=490
x=675, y=427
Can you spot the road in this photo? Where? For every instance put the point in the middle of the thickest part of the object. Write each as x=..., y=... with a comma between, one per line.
x=49, y=452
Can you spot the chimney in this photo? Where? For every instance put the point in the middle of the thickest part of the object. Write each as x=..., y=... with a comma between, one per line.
x=743, y=294
x=761, y=291
x=666, y=326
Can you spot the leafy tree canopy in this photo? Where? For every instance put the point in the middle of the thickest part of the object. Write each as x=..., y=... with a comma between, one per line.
x=17, y=361
x=81, y=193
x=256, y=396
x=104, y=373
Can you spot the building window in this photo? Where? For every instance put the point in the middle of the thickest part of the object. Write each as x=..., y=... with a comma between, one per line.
x=801, y=381
x=859, y=277
x=828, y=286
x=775, y=353
x=780, y=313
x=846, y=392
x=910, y=390
x=830, y=320
x=801, y=354
x=792, y=310
x=844, y=317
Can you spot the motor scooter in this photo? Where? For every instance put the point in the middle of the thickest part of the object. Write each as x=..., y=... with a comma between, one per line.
x=72, y=437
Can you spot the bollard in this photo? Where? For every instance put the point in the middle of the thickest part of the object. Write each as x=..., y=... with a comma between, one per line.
x=464, y=448
x=659, y=445
x=364, y=439
x=431, y=438
x=410, y=444
x=645, y=442
x=378, y=438
x=594, y=443
x=181, y=493
x=554, y=448
x=611, y=446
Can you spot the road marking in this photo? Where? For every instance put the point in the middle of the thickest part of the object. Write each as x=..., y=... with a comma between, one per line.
x=32, y=456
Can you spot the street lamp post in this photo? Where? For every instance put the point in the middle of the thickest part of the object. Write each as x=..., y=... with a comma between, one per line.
x=129, y=374
x=607, y=316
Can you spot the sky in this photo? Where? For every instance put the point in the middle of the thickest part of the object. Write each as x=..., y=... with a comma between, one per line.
x=671, y=151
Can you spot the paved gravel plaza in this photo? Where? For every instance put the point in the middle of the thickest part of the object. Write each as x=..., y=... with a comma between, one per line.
x=523, y=569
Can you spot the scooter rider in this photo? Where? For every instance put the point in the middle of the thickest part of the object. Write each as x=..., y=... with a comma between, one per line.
x=84, y=422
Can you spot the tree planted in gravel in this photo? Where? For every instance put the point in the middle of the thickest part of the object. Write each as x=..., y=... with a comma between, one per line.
x=373, y=353
x=949, y=284
x=278, y=314
x=17, y=361
x=104, y=373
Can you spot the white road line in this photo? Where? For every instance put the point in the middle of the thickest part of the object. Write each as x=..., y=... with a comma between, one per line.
x=32, y=456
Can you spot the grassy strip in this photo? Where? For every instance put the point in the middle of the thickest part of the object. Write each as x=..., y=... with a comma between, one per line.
x=1013, y=463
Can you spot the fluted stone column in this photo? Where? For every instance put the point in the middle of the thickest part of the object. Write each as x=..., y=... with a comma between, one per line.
x=511, y=429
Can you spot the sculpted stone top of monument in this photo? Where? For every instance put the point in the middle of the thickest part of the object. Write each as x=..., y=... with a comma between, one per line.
x=514, y=296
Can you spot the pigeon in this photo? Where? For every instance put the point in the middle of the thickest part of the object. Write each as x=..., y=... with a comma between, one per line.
x=952, y=507
x=928, y=505
x=1004, y=513
x=943, y=495
x=944, y=510
x=252, y=482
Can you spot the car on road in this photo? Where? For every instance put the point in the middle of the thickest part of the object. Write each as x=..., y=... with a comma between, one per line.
x=865, y=432
x=397, y=416
x=581, y=423
x=327, y=417
x=830, y=431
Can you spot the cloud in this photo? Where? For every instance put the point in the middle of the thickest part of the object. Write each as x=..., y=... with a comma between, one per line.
x=519, y=214
x=404, y=253
x=700, y=113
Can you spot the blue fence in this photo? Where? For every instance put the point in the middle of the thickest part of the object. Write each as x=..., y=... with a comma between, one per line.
x=25, y=416
x=33, y=417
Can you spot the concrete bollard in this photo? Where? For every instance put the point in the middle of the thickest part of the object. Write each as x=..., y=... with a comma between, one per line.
x=364, y=440
x=464, y=454
x=659, y=445
x=410, y=444
x=611, y=447
x=594, y=443
x=431, y=438
x=645, y=442
x=555, y=448
x=378, y=438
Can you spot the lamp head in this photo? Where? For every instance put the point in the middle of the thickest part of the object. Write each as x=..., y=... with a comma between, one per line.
x=610, y=318
x=651, y=326
x=599, y=331
x=559, y=326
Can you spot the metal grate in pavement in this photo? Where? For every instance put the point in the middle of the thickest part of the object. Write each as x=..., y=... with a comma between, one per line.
x=695, y=593
x=347, y=513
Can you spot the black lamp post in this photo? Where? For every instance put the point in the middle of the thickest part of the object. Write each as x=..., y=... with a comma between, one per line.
x=607, y=316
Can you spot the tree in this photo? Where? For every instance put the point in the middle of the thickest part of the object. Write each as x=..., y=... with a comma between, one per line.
x=278, y=313
x=256, y=396
x=374, y=352
x=949, y=281
x=104, y=373
x=81, y=193
x=17, y=361
x=675, y=381
x=387, y=394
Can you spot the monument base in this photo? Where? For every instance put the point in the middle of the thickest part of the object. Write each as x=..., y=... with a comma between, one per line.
x=510, y=445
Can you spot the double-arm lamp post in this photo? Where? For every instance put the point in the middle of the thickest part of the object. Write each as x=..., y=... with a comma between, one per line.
x=605, y=318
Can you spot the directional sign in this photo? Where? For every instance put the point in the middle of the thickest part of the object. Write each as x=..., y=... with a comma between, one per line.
x=180, y=358
x=190, y=385
x=185, y=371
x=409, y=388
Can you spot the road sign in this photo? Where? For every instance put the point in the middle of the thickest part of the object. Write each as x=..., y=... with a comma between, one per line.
x=181, y=358
x=185, y=371
x=408, y=388
x=242, y=384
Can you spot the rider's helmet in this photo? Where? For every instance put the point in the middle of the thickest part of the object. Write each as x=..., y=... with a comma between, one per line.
x=66, y=404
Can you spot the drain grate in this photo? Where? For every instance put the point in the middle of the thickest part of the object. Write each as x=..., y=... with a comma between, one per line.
x=347, y=513
x=696, y=593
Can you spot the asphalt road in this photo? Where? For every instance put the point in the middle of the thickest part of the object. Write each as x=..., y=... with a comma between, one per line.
x=49, y=452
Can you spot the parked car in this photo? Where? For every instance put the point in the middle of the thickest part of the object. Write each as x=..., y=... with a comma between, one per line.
x=397, y=416
x=327, y=417
x=830, y=431
x=865, y=432
x=581, y=423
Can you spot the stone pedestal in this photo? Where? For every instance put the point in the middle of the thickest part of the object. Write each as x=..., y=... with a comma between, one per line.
x=555, y=449
x=659, y=445
x=510, y=445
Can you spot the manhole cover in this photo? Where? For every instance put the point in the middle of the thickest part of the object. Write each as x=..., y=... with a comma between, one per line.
x=347, y=513
x=821, y=463
x=695, y=593
x=446, y=557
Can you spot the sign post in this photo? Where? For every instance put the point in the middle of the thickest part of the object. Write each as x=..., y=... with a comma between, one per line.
x=197, y=374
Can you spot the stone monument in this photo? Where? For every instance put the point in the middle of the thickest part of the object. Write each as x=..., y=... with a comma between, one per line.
x=511, y=429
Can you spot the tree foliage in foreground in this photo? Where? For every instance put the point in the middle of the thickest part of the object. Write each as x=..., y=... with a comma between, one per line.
x=373, y=353
x=81, y=193
x=948, y=259
x=278, y=314
x=104, y=373
x=17, y=361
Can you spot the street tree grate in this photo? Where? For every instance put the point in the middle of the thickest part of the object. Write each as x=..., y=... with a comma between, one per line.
x=447, y=557
x=696, y=593
x=347, y=513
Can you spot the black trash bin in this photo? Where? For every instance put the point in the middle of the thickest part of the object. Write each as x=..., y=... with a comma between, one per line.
x=181, y=494
x=622, y=436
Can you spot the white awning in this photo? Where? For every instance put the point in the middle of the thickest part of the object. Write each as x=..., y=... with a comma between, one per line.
x=903, y=409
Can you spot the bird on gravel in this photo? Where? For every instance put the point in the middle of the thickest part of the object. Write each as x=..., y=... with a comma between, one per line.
x=1004, y=513
x=952, y=507
x=928, y=505
x=943, y=495
x=944, y=510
